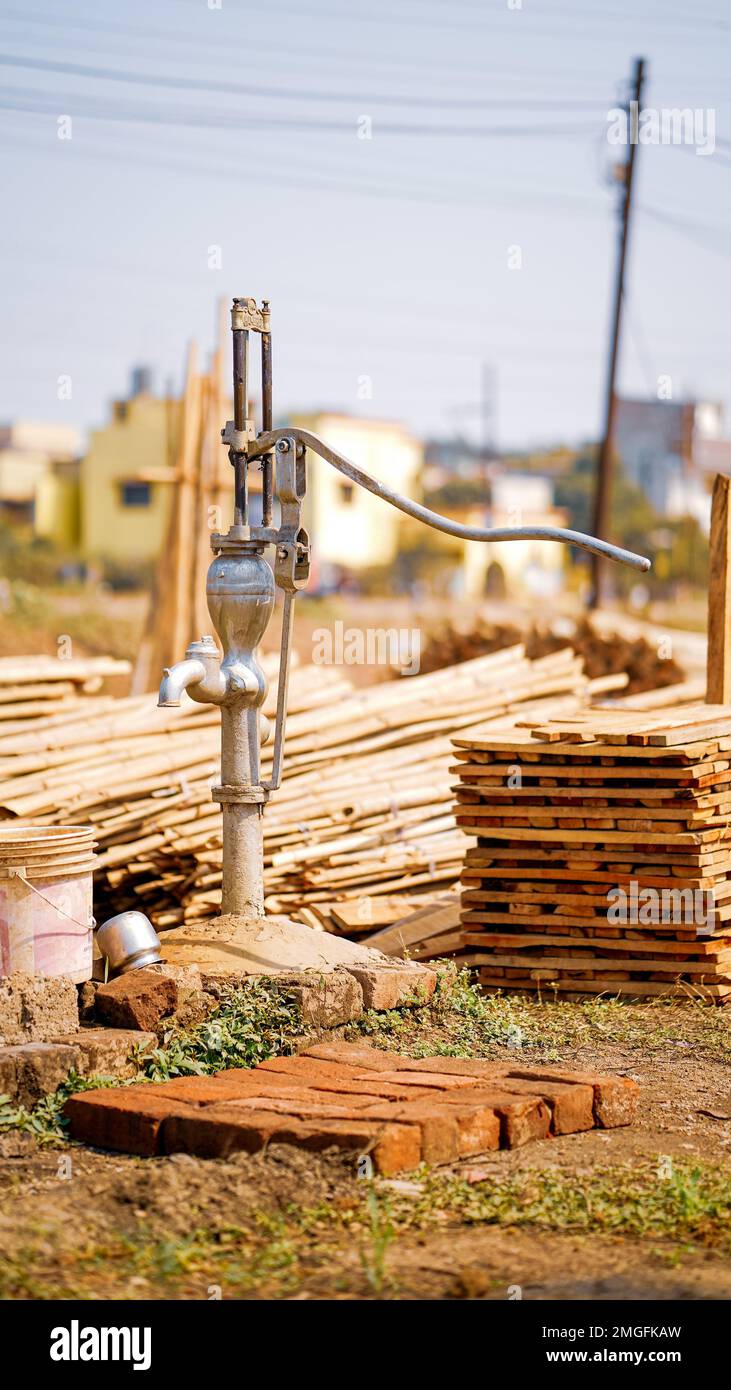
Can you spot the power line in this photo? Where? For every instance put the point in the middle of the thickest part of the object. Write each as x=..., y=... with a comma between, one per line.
x=23, y=100
x=691, y=232
x=293, y=93
x=270, y=174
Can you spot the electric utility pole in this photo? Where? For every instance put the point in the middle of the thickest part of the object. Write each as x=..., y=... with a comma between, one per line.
x=602, y=491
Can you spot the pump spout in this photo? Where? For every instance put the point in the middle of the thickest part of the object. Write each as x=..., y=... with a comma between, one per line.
x=178, y=678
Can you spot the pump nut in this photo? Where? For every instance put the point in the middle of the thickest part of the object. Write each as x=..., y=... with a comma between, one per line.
x=240, y=795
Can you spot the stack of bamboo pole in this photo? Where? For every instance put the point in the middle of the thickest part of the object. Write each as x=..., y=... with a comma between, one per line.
x=364, y=810
x=37, y=687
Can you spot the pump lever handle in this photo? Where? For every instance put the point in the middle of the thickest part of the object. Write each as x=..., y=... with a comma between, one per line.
x=265, y=442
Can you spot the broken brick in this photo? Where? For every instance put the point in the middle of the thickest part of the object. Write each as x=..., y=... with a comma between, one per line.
x=108, y=1051
x=326, y=1000
x=35, y=1069
x=34, y=1008
x=390, y=985
x=139, y=999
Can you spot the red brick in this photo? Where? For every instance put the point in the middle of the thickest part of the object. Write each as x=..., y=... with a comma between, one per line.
x=479, y=1129
x=375, y=1089
x=424, y=1078
x=395, y=1148
x=308, y=1071
x=287, y=1084
x=310, y=1067
x=616, y=1098
x=306, y=1105
x=472, y=1067
x=297, y=1082
x=572, y=1107
x=207, y=1090
x=450, y=1129
x=354, y=1054
x=521, y=1118
x=217, y=1131
x=125, y=1118
x=438, y=1125
x=139, y=999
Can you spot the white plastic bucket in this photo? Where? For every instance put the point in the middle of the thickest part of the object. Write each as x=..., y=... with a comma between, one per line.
x=46, y=922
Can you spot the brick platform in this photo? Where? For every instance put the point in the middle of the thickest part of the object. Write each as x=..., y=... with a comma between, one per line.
x=350, y=1096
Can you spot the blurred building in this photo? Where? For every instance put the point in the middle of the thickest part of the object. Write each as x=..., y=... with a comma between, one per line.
x=454, y=460
x=506, y=569
x=671, y=450
x=29, y=453
x=352, y=530
x=126, y=476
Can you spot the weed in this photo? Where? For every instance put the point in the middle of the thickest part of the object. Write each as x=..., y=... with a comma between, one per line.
x=381, y=1233
x=45, y=1121
x=250, y=1024
x=461, y=1021
x=692, y=1204
x=279, y=1251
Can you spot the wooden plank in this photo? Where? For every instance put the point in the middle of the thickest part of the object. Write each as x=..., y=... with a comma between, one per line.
x=433, y=921
x=718, y=669
x=491, y=941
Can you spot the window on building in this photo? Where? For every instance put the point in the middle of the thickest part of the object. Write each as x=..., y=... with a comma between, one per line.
x=136, y=494
x=347, y=493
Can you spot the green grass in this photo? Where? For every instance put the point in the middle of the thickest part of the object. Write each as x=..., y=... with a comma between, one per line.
x=463, y=1022
x=660, y=1198
x=675, y=1209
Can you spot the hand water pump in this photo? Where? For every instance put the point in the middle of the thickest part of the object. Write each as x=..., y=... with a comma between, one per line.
x=240, y=590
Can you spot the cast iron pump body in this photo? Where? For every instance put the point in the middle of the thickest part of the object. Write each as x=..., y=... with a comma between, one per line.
x=240, y=590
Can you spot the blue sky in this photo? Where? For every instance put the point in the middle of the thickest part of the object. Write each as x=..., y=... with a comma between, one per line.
x=237, y=127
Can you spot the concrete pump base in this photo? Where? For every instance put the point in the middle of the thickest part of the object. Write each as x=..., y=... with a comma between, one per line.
x=264, y=946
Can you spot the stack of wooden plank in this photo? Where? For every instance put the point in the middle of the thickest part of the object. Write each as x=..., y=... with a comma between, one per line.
x=602, y=856
x=365, y=809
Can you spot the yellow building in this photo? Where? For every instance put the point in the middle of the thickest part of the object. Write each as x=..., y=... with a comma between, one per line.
x=56, y=510
x=32, y=456
x=125, y=480
x=116, y=504
x=350, y=528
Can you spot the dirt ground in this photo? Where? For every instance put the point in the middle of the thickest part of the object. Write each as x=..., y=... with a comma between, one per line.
x=638, y=1213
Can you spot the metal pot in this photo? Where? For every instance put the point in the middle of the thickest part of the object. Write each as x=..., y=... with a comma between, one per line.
x=128, y=941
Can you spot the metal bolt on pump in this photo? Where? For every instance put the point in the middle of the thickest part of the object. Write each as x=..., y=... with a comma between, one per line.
x=240, y=590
